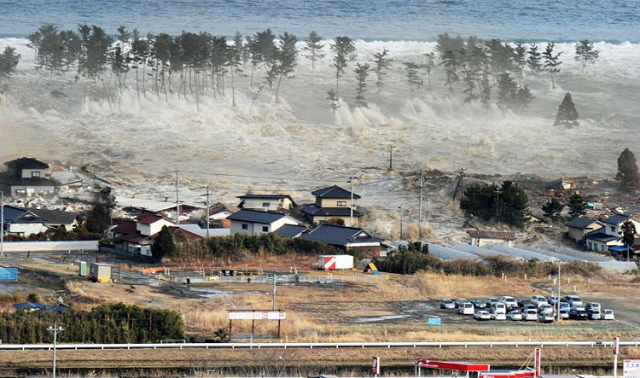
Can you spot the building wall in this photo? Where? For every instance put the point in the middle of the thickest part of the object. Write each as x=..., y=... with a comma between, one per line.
x=274, y=204
x=26, y=229
x=259, y=228
x=26, y=173
x=30, y=190
x=319, y=219
x=153, y=228
x=479, y=242
x=333, y=202
x=614, y=230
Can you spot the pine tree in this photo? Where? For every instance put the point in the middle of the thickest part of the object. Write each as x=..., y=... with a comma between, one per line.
x=485, y=90
x=96, y=46
x=522, y=100
x=567, y=113
x=577, y=206
x=382, y=63
x=99, y=218
x=313, y=48
x=344, y=52
x=163, y=245
x=450, y=64
x=551, y=62
x=507, y=90
x=362, y=71
x=430, y=59
x=534, y=61
x=285, y=58
x=628, y=171
x=586, y=53
x=628, y=232
x=413, y=78
x=8, y=62
x=552, y=208
x=519, y=60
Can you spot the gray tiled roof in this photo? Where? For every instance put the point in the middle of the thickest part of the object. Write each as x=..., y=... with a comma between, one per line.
x=581, y=222
x=27, y=163
x=290, y=231
x=314, y=209
x=256, y=216
x=616, y=219
x=339, y=235
x=334, y=192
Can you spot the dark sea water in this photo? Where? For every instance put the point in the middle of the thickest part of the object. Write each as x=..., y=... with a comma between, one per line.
x=389, y=20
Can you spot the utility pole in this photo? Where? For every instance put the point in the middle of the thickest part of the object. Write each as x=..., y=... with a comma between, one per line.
x=1, y=223
x=391, y=157
x=208, y=205
x=558, y=299
x=177, y=199
x=274, y=291
x=351, y=203
x=401, y=216
x=420, y=208
x=459, y=184
x=498, y=190
x=55, y=330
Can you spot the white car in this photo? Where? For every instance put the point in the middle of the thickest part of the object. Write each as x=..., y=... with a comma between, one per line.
x=530, y=315
x=482, y=315
x=608, y=315
x=573, y=300
x=564, y=314
x=465, y=309
x=514, y=315
x=545, y=309
x=498, y=316
x=539, y=300
x=509, y=301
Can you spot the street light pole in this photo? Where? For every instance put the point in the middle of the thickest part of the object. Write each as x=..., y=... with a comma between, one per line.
x=558, y=299
x=55, y=330
x=401, y=216
x=351, y=203
x=274, y=291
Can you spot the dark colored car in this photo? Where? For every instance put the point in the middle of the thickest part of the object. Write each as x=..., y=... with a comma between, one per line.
x=578, y=314
x=491, y=301
x=478, y=303
x=447, y=303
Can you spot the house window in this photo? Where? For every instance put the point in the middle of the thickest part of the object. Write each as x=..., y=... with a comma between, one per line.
x=265, y=228
x=35, y=174
x=590, y=246
x=342, y=203
x=613, y=230
x=245, y=226
x=21, y=191
x=266, y=204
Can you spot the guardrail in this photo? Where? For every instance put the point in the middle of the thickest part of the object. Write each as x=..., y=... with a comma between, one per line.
x=454, y=344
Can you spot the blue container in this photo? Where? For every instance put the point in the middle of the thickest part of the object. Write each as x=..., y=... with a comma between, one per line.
x=8, y=274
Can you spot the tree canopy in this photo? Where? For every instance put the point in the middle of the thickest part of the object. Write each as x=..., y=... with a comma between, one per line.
x=507, y=204
x=628, y=171
x=567, y=113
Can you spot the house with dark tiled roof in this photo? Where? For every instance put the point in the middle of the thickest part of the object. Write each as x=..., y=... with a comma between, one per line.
x=610, y=235
x=256, y=222
x=480, y=238
x=346, y=238
x=136, y=237
x=26, y=221
x=27, y=176
x=579, y=227
x=291, y=230
x=267, y=202
x=333, y=205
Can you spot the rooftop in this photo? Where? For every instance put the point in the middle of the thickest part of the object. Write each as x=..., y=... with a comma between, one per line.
x=501, y=235
x=334, y=192
x=581, y=222
x=616, y=219
x=339, y=235
x=256, y=216
x=27, y=163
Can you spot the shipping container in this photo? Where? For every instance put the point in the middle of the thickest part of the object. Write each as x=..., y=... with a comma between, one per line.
x=102, y=272
x=8, y=274
x=335, y=262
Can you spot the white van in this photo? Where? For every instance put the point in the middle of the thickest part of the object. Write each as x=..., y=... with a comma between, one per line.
x=466, y=309
x=498, y=308
x=574, y=300
x=594, y=306
x=539, y=300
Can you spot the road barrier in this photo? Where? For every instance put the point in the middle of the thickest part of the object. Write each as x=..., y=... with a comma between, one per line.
x=389, y=345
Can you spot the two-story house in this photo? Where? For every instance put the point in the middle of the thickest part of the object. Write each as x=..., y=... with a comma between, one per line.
x=333, y=205
x=579, y=227
x=27, y=176
x=136, y=237
x=610, y=235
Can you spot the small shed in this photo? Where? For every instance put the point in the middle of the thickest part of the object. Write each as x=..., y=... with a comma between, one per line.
x=102, y=272
x=481, y=238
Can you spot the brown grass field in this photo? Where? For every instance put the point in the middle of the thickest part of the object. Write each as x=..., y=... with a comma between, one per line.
x=386, y=310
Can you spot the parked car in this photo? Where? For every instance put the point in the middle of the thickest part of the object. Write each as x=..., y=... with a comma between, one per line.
x=565, y=306
x=538, y=300
x=466, y=308
x=564, y=314
x=573, y=300
x=459, y=301
x=523, y=301
x=515, y=315
x=478, y=303
x=594, y=314
x=608, y=315
x=491, y=301
x=447, y=303
x=578, y=314
x=545, y=309
x=482, y=315
x=552, y=299
x=499, y=307
x=592, y=306
x=530, y=315
x=509, y=301
x=498, y=316
x=546, y=317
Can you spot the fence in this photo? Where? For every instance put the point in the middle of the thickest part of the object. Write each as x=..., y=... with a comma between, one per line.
x=51, y=246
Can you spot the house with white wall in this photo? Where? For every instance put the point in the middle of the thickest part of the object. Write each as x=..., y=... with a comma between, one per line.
x=256, y=222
